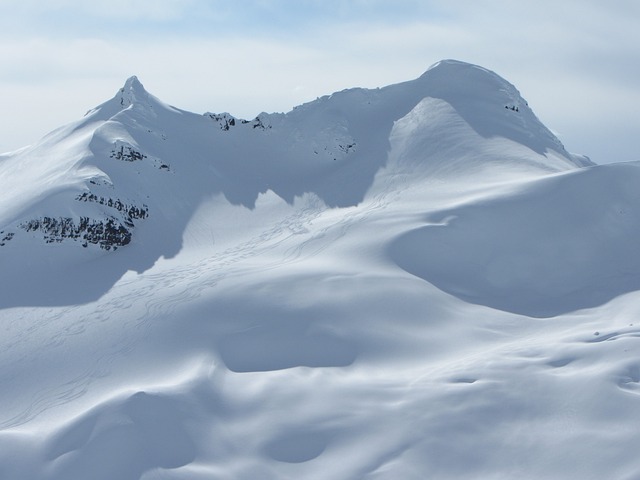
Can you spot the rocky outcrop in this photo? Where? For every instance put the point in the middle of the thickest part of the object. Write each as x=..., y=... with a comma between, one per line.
x=128, y=154
x=107, y=234
x=5, y=237
x=129, y=211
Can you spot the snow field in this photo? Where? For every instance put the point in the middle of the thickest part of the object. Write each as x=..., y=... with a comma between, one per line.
x=451, y=297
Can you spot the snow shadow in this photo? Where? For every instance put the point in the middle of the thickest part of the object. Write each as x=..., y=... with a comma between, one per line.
x=567, y=243
x=123, y=439
x=169, y=162
x=284, y=344
x=297, y=446
x=68, y=274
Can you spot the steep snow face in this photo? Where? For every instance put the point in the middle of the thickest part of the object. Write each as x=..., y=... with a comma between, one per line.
x=416, y=281
x=479, y=96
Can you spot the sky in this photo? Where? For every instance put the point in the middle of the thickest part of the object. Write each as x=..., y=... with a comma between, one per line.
x=576, y=62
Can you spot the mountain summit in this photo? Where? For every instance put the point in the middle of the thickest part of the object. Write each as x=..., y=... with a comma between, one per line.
x=132, y=88
x=479, y=96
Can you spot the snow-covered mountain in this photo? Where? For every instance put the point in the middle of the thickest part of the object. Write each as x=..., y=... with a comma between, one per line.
x=416, y=281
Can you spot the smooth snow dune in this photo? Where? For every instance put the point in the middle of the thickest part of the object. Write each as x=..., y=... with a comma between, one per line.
x=137, y=434
x=561, y=244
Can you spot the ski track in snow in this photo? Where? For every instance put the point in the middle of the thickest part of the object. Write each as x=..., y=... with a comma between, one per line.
x=189, y=280
x=185, y=284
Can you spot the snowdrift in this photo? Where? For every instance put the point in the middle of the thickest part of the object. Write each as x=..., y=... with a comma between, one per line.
x=562, y=243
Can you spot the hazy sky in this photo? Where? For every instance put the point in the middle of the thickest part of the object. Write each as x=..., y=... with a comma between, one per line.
x=577, y=62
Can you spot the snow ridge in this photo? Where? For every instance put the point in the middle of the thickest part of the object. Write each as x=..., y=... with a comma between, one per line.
x=139, y=153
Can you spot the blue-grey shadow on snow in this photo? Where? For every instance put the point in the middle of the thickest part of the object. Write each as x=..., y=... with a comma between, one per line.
x=123, y=439
x=567, y=243
x=298, y=446
x=231, y=165
x=282, y=337
x=281, y=345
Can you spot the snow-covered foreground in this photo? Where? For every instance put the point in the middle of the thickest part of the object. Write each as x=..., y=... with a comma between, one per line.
x=407, y=283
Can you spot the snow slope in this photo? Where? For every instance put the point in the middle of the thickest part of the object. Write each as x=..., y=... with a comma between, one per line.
x=416, y=281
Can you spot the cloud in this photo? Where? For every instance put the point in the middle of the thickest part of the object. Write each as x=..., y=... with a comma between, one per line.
x=158, y=10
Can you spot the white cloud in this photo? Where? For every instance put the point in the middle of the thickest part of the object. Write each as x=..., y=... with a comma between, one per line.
x=116, y=9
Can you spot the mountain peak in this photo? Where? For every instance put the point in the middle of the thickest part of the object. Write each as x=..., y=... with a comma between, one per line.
x=451, y=63
x=132, y=83
x=132, y=92
x=461, y=73
x=491, y=105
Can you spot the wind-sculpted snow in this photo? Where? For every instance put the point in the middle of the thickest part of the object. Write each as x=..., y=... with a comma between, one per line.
x=489, y=104
x=561, y=244
x=139, y=433
x=411, y=282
